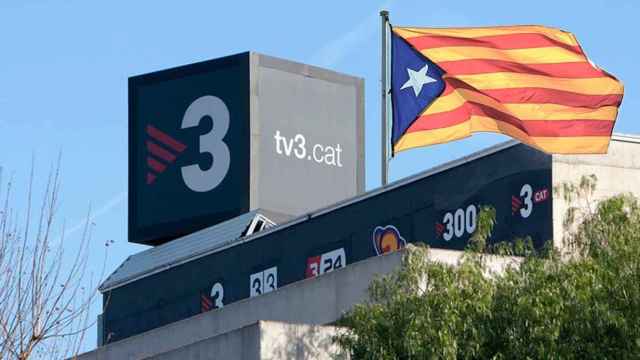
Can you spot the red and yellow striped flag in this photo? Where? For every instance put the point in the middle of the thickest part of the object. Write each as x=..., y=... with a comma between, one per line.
x=532, y=83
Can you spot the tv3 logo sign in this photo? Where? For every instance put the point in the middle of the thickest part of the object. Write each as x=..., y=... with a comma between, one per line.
x=163, y=149
x=214, y=300
x=327, y=262
x=523, y=204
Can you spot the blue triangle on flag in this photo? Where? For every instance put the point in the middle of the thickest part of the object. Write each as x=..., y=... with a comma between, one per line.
x=412, y=88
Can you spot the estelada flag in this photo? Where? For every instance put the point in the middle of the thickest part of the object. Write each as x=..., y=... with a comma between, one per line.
x=532, y=83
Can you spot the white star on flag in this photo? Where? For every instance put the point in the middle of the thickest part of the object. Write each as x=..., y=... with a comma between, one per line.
x=417, y=79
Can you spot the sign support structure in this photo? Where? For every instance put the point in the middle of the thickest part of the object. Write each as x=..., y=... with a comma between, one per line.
x=384, y=73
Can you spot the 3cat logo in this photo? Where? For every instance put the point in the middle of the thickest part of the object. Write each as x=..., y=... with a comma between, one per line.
x=211, y=143
x=327, y=262
x=189, y=148
x=162, y=151
x=523, y=203
x=213, y=300
x=387, y=239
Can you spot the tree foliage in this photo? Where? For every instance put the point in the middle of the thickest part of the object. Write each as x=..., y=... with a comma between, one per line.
x=583, y=303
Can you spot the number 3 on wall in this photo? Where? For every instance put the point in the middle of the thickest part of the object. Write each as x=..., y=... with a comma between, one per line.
x=211, y=143
x=525, y=192
x=217, y=294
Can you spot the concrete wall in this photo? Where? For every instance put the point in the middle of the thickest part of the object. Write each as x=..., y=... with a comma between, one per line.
x=241, y=344
x=618, y=172
x=295, y=341
x=264, y=340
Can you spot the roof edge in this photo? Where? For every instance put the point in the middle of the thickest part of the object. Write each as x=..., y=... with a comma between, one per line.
x=634, y=138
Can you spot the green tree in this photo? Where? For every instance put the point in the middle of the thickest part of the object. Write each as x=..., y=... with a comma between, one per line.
x=584, y=303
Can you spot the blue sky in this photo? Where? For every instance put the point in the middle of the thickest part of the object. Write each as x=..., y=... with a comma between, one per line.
x=64, y=67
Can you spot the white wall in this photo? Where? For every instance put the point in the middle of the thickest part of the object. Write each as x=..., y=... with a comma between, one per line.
x=618, y=172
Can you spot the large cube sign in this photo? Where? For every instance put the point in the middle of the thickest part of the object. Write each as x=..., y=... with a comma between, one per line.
x=189, y=148
x=212, y=140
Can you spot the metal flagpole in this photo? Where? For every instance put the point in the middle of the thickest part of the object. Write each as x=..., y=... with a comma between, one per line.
x=384, y=17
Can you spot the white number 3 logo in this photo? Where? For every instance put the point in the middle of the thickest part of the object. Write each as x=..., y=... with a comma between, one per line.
x=526, y=193
x=194, y=177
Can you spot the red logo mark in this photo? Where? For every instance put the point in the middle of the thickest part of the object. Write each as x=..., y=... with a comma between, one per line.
x=160, y=157
x=516, y=204
x=205, y=303
x=439, y=229
x=313, y=267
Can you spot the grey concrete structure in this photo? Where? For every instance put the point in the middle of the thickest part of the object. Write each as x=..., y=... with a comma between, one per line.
x=617, y=172
x=265, y=340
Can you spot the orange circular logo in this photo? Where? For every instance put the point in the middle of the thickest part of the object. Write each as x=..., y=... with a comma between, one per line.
x=387, y=239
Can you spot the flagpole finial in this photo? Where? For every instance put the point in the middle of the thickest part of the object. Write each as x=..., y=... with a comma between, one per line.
x=384, y=14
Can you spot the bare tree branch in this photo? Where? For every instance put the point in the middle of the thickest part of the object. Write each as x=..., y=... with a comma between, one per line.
x=45, y=292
